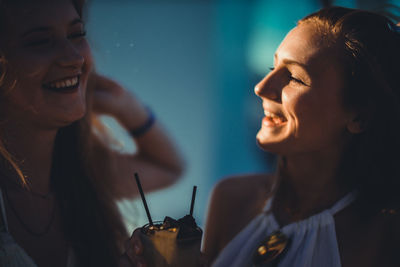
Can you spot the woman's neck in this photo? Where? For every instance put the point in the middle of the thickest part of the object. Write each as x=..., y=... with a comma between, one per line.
x=32, y=150
x=308, y=184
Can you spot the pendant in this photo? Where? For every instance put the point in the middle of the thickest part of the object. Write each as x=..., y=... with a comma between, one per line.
x=270, y=249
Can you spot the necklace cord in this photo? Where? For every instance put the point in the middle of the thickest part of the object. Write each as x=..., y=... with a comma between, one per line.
x=25, y=226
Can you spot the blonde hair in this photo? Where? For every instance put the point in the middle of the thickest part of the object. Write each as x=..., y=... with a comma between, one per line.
x=91, y=221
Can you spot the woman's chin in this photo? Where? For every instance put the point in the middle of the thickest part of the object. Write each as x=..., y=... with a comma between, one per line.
x=268, y=143
x=263, y=143
x=64, y=121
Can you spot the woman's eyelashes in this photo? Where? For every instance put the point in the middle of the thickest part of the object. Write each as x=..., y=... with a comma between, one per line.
x=296, y=80
x=48, y=41
x=77, y=35
x=39, y=42
x=291, y=77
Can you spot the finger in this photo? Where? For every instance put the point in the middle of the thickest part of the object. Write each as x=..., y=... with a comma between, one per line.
x=136, y=241
x=105, y=83
x=134, y=247
x=133, y=252
x=132, y=261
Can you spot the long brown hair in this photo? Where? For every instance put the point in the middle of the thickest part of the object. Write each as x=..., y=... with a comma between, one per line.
x=367, y=45
x=92, y=224
x=91, y=220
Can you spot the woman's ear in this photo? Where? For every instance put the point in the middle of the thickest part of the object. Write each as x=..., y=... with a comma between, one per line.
x=2, y=68
x=356, y=125
x=2, y=73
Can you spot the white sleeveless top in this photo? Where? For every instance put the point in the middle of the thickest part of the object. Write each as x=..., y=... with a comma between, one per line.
x=312, y=241
x=11, y=254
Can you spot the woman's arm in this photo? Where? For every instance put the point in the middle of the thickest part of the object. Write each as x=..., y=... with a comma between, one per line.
x=215, y=219
x=234, y=202
x=157, y=160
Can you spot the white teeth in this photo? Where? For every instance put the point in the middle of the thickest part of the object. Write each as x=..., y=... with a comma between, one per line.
x=64, y=83
x=273, y=116
x=269, y=114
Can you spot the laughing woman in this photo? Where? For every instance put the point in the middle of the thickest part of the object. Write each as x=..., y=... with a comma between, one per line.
x=58, y=178
x=332, y=115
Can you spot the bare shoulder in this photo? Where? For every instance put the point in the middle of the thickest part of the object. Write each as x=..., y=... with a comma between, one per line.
x=240, y=189
x=244, y=194
x=234, y=202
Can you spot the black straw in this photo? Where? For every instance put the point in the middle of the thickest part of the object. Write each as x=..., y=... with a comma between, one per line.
x=143, y=198
x=193, y=198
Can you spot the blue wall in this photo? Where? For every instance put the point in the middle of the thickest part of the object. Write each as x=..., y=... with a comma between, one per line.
x=195, y=63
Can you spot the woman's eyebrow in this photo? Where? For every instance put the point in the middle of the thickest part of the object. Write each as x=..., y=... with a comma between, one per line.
x=34, y=30
x=46, y=28
x=289, y=61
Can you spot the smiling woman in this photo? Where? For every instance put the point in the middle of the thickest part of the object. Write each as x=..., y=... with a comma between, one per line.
x=301, y=96
x=332, y=115
x=48, y=49
x=58, y=178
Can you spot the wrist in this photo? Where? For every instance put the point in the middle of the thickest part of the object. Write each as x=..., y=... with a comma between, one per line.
x=143, y=128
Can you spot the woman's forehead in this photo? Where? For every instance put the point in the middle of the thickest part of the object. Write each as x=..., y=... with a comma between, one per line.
x=302, y=43
x=306, y=45
x=23, y=15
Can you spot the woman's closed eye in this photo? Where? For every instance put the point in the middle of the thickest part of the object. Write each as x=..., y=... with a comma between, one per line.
x=296, y=80
x=292, y=78
x=77, y=35
x=36, y=42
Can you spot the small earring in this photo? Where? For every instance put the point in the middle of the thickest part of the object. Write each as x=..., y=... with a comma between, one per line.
x=356, y=126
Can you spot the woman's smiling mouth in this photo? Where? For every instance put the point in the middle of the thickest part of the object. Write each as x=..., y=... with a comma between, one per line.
x=273, y=119
x=66, y=85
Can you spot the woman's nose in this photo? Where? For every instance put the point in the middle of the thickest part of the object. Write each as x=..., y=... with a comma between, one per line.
x=266, y=88
x=70, y=56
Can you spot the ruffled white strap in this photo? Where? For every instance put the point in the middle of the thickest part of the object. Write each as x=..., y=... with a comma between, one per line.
x=313, y=241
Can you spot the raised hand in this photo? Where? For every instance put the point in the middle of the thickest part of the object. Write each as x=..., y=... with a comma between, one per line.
x=110, y=98
x=133, y=255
